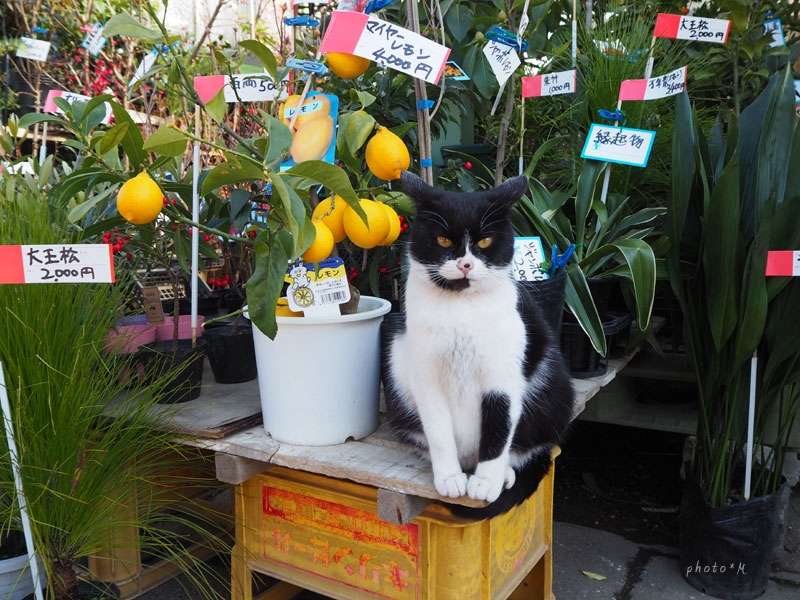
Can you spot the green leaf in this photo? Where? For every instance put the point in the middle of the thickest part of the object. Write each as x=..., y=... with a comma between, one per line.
x=458, y=20
x=331, y=176
x=581, y=305
x=357, y=129
x=230, y=172
x=167, y=141
x=81, y=210
x=641, y=271
x=587, y=182
x=263, y=54
x=31, y=119
x=721, y=249
x=594, y=576
x=272, y=250
x=125, y=25
x=279, y=138
x=217, y=107
x=113, y=137
x=132, y=141
x=287, y=206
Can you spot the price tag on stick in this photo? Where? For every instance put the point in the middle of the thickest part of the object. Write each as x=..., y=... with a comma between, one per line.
x=387, y=44
x=60, y=263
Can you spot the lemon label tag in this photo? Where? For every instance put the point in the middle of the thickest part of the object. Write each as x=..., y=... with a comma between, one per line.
x=317, y=289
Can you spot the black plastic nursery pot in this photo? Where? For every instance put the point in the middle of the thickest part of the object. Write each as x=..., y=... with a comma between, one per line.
x=582, y=359
x=727, y=552
x=230, y=351
x=187, y=361
x=548, y=296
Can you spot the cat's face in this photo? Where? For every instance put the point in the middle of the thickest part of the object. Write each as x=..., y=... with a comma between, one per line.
x=462, y=239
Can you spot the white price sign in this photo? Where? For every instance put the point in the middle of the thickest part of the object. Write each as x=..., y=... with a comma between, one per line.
x=528, y=258
x=503, y=60
x=34, y=49
x=621, y=145
x=62, y=263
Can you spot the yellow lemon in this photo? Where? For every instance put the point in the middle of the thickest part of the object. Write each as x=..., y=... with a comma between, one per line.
x=313, y=139
x=332, y=217
x=346, y=66
x=371, y=233
x=387, y=155
x=140, y=200
x=394, y=225
x=322, y=246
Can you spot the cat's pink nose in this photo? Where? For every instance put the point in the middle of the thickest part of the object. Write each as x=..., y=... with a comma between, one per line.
x=464, y=265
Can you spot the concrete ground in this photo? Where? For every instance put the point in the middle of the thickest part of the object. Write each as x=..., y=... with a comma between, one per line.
x=581, y=557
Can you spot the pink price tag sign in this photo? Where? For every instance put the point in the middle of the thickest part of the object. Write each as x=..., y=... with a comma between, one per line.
x=693, y=29
x=654, y=88
x=251, y=87
x=783, y=263
x=58, y=263
x=550, y=84
x=386, y=44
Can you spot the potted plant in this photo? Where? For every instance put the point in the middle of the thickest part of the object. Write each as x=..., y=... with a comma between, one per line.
x=91, y=457
x=610, y=241
x=734, y=198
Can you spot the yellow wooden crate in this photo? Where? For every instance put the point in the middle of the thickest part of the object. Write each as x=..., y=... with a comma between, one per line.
x=323, y=534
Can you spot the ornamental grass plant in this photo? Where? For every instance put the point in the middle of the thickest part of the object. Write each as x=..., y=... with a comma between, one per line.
x=98, y=468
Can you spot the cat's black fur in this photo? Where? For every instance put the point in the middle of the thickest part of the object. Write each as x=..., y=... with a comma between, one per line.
x=472, y=371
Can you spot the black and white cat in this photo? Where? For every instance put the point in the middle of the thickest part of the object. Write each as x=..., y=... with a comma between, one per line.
x=471, y=380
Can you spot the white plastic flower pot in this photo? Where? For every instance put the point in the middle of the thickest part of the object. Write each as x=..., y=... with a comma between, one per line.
x=319, y=379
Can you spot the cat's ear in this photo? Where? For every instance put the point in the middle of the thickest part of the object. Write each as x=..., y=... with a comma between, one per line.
x=510, y=190
x=417, y=189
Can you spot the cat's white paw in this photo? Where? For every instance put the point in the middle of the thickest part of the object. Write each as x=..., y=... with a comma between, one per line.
x=451, y=486
x=479, y=488
x=511, y=477
x=489, y=480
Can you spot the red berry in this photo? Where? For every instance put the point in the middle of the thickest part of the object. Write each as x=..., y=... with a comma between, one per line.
x=128, y=255
x=174, y=226
x=164, y=201
x=207, y=237
x=468, y=165
x=251, y=234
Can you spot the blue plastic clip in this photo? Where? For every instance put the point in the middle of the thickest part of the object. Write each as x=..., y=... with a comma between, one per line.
x=423, y=104
x=307, y=65
x=302, y=21
x=502, y=36
x=374, y=5
x=615, y=115
x=556, y=261
x=39, y=30
x=426, y=163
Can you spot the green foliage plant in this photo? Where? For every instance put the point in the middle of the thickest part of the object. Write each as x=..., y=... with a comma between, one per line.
x=734, y=197
x=611, y=239
x=93, y=455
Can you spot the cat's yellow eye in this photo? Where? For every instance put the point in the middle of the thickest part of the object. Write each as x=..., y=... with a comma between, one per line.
x=484, y=243
x=444, y=242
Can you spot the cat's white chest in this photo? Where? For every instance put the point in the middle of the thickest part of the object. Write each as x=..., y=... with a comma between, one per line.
x=458, y=347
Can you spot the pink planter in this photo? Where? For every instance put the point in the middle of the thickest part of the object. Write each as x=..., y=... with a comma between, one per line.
x=126, y=339
x=165, y=330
